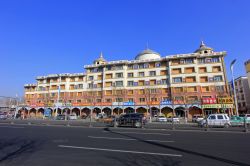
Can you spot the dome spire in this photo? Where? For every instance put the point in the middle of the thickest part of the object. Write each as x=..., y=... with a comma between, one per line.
x=101, y=56
x=202, y=44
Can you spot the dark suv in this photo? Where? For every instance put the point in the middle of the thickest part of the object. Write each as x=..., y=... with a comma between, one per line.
x=131, y=119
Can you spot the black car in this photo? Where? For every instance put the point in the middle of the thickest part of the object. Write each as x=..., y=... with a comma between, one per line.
x=131, y=120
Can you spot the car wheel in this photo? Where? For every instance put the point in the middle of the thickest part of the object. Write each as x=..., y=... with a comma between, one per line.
x=137, y=124
x=226, y=125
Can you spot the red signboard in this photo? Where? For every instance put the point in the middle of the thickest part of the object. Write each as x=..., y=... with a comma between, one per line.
x=209, y=101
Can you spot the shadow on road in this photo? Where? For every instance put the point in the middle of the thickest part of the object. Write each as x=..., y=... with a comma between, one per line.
x=12, y=149
x=228, y=161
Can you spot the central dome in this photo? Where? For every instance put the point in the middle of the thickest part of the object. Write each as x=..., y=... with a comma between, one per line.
x=147, y=54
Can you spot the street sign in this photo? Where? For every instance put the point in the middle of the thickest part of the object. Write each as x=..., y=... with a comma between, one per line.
x=47, y=112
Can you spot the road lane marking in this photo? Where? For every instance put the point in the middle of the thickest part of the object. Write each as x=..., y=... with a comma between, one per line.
x=120, y=151
x=129, y=132
x=127, y=139
x=12, y=127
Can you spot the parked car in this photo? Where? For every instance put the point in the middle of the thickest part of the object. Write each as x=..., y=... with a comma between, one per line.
x=216, y=120
x=239, y=121
x=161, y=118
x=173, y=119
x=247, y=116
x=108, y=119
x=130, y=119
x=3, y=116
x=72, y=117
x=197, y=118
x=60, y=117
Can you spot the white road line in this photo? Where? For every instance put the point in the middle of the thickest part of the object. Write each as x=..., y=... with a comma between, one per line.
x=125, y=132
x=12, y=127
x=127, y=139
x=120, y=151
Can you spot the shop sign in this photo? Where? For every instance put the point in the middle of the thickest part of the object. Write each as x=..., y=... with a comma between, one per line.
x=153, y=103
x=166, y=102
x=227, y=105
x=211, y=106
x=128, y=103
x=117, y=103
x=209, y=101
x=225, y=100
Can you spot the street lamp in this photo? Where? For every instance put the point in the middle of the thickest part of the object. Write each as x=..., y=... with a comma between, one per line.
x=235, y=97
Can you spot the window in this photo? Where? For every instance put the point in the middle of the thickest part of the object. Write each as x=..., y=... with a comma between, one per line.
x=130, y=66
x=130, y=92
x=163, y=72
x=178, y=89
x=108, y=92
x=141, y=91
x=141, y=83
x=152, y=82
x=212, y=117
x=152, y=73
x=188, y=60
x=202, y=69
x=108, y=100
x=109, y=76
x=130, y=100
x=190, y=79
x=219, y=88
x=177, y=79
x=135, y=66
x=98, y=100
x=158, y=64
x=176, y=71
x=141, y=74
x=146, y=65
x=130, y=83
x=217, y=78
x=179, y=98
x=153, y=91
x=90, y=85
x=201, y=60
x=203, y=79
x=119, y=75
x=119, y=67
x=215, y=59
x=108, y=84
x=108, y=68
x=175, y=62
x=154, y=99
x=142, y=100
x=205, y=89
x=216, y=69
x=119, y=83
x=191, y=89
x=119, y=99
x=164, y=81
x=130, y=75
x=189, y=70
x=141, y=66
x=220, y=117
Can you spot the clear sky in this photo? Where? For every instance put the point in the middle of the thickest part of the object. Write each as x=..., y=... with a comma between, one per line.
x=40, y=37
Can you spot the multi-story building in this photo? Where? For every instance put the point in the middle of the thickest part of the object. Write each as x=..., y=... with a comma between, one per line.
x=242, y=93
x=247, y=65
x=182, y=84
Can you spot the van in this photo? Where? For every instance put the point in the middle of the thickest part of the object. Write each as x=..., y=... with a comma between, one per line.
x=216, y=120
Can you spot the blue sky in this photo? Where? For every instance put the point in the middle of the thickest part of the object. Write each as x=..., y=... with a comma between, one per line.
x=60, y=36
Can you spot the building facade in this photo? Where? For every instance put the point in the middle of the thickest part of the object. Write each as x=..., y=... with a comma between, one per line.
x=176, y=85
x=243, y=94
x=247, y=65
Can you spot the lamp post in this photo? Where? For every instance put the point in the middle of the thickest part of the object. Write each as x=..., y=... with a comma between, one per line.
x=235, y=97
x=58, y=96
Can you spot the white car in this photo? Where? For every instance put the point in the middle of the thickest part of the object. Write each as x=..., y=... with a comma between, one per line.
x=161, y=118
x=173, y=119
x=197, y=118
x=72, y=117
x=216, y=120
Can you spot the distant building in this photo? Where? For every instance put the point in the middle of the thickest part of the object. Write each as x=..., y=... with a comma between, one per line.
x=181, y=84
x=243, y=94
x=247, y=65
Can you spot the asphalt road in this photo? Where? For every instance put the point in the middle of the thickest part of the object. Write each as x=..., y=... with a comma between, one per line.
x=61, y=146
